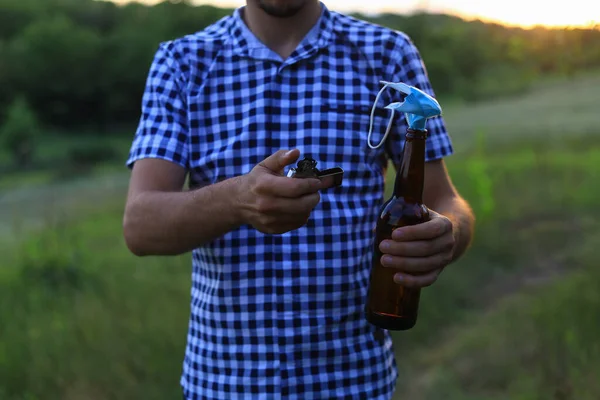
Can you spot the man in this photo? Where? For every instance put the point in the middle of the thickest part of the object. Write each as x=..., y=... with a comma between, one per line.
x=281, y=265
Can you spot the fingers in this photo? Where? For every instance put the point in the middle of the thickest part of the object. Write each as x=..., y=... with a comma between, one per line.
x=278, y=225
x=418, y=281
x=419, y=252
x=277, y=186
x=286, y=219
x=280, y=207
x=417, y=265
x=270, y=179
x=276, y=204
x=279, y=160
x=436, y=227
x=419, y=248
x=308, y=202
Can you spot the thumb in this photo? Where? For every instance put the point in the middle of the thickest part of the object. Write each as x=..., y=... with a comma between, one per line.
x=277, y=161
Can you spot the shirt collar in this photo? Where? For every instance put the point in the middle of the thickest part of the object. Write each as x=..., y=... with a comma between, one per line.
x=245, y=43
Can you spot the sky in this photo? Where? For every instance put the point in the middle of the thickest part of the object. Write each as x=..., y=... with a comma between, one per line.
x=524, y=13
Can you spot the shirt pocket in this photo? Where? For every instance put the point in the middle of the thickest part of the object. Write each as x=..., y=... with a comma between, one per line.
x=352, y=121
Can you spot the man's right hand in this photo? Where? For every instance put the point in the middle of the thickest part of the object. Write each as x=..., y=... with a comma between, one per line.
x=273, y=203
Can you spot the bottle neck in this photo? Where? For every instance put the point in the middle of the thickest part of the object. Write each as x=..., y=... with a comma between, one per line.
x=411, y=174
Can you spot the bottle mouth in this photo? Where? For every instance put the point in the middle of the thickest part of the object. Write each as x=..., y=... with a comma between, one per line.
x=416, y=133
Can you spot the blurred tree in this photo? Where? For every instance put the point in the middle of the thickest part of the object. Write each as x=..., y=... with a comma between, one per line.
x=15, y=14
x=56, y=65
x=18, y=132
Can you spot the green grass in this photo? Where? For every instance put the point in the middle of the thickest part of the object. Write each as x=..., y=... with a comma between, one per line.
x=535, y=340
x=82, y=318
x=516, y=318
x=558, y=111
x=537, y=345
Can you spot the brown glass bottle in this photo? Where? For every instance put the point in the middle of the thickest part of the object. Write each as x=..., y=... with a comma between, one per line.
x=389, y=305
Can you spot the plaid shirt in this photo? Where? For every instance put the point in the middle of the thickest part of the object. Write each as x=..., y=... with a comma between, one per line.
x=281, y=316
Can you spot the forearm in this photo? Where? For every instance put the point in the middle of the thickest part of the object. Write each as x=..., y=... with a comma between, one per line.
x=165, y=223
x=459, y=212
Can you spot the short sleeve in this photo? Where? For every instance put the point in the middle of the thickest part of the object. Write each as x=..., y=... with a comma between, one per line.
x=409, y=68
x=162, y=131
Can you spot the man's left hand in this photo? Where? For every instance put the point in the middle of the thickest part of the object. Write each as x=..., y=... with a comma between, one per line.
x=419, y=252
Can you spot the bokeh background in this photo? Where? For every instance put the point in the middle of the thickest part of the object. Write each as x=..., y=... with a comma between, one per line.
x=81, y=318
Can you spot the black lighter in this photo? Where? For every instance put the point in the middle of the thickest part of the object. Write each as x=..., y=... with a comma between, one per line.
x=307, y=168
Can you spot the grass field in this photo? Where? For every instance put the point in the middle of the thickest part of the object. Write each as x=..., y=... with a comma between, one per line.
x=516, y=318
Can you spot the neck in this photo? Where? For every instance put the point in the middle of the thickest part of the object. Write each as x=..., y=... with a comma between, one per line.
x=411, y=174
x=282, y=35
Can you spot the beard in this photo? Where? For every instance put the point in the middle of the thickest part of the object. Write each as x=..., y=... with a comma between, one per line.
x=281, y=8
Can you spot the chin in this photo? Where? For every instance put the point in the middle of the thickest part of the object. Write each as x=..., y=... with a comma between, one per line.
x=282, y=8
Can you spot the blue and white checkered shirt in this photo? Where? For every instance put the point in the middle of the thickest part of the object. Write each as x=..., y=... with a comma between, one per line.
x=281, y=316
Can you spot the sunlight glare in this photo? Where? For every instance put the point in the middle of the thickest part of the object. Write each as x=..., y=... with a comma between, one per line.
x=525, y=13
